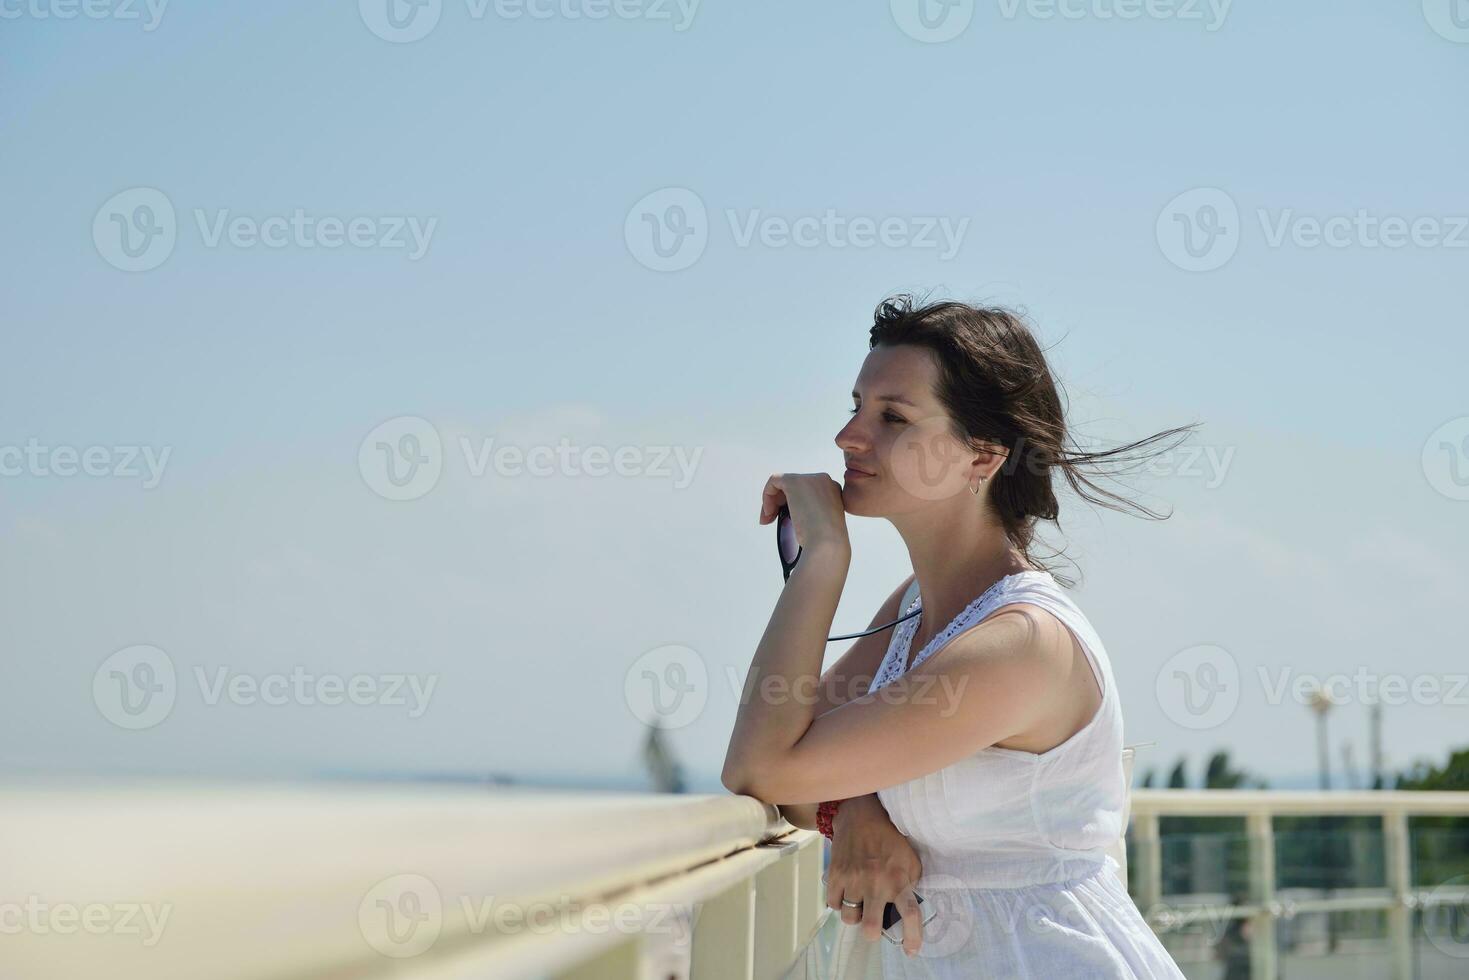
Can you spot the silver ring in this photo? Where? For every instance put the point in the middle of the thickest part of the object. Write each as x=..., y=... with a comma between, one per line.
x=851, y=905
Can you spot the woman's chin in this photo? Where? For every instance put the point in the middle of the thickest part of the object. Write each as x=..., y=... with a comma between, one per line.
x=853, y=501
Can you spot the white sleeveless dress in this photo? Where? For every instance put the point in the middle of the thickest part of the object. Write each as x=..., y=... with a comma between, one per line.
x=1013, y=843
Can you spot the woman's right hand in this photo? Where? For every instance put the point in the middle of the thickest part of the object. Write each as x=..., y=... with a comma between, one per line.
x=873, y=863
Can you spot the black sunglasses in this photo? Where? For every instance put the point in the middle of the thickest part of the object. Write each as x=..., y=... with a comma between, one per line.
x=790, y=553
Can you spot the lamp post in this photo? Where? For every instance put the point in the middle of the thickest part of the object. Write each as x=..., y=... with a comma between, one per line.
x=1321, y=703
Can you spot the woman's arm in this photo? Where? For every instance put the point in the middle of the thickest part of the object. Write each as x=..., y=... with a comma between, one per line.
x=990, y=683
x=801, y=815
x=848, y=678
x=1007, y=670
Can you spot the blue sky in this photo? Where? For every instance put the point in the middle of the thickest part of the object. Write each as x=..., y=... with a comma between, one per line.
x=1333, y=538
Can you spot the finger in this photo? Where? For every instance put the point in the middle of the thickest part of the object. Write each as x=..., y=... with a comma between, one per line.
x=771, y=498
x=851, y=916
x=833, y=894
x=872, y=908
x=912, y=913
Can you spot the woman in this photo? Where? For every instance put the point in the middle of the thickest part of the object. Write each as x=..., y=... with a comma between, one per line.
x=977, y=748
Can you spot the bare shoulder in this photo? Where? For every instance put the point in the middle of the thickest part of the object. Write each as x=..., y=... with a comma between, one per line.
x=1029, y=652
x=1021, y=641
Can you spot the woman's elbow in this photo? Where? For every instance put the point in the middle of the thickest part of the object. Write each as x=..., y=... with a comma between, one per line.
x=740, y=781
x=736, y=782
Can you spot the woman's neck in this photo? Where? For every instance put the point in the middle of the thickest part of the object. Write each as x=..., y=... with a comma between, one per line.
x=951, y=576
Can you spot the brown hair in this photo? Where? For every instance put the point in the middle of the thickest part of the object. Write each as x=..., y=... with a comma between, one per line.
x=996, y=386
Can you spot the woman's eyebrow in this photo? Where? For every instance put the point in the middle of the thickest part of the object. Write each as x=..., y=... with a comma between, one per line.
x=890, y=398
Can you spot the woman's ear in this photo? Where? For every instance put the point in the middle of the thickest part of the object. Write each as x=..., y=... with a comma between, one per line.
x=989, y=459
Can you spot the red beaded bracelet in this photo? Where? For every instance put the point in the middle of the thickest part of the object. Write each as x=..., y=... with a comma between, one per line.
x=824, y=814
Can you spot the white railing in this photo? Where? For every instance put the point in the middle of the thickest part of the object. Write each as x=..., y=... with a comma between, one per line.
x=1259, y=808
x=227, y=882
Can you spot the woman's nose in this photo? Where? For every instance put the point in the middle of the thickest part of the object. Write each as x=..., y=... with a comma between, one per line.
x=851, y=437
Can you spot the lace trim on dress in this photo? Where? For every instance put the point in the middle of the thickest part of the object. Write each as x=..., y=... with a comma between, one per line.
x=892, y=666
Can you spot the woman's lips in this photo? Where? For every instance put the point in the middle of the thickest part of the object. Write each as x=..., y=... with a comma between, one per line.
x=852, y=474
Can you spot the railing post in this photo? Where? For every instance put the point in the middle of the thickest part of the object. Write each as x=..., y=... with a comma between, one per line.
x=1149, y=860
x=724, y=935
x=1260, y=839
x=1400, y=883
x=811, y=894
x=775, y=913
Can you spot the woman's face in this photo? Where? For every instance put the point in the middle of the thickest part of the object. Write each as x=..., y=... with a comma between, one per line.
x=899, y=445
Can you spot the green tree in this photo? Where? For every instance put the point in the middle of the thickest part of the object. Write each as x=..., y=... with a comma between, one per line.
x=1440, y=844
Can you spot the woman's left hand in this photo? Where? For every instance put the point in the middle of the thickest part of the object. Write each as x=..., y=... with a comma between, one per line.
x=815, y=501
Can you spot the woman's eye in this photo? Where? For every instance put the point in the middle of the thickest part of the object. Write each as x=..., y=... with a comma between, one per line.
x=888, y=416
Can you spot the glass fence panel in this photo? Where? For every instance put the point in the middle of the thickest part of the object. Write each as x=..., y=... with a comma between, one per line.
x=1439, y=851
x=1441, y=942
x=1330, y=853
x=1206, y=860
x=1204, y=883
x=1211, y=949
x=1344, y=945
